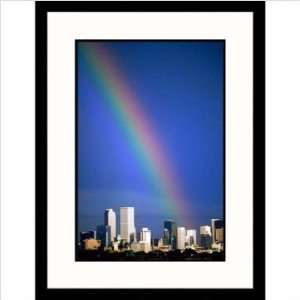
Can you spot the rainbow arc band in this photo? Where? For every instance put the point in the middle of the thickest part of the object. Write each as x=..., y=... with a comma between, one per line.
x=128, y=111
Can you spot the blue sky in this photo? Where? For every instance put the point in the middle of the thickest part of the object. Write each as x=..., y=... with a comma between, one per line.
x=180, y=88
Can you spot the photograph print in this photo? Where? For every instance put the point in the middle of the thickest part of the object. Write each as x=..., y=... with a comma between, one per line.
x=150, y=150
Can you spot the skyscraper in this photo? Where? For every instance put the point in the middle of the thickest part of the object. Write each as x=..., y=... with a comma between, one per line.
x=145, y=235
x=171, y=226
x=110, y=220
x=127, y=226
x=215, y=224
x=205, y=236
x=191, y=237
x=205, y=230
x=220, y=235
x=104, y=234
x=166, y=237
x=181, y=238
x=145, y=239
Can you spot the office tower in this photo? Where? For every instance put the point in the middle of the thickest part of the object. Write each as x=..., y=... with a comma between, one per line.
x=134, y=235
x=205, y=236
x=110, y=220
x=104, y=234
x=145, y=241
x=191, y=237
x=100, y=231
x=145, y=235
x=215, y=224
x=171, y=226
x=205, y=230
x=219, y=235
x=166, y=237
x=127, y=226
x=181, y=238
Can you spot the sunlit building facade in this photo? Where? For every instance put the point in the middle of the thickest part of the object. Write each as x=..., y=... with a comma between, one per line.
x=110, y=220
x=145, y=235
x=181, y=238
x=216, y=224
x=191, y=237
x=205, y=236
x=127, y=226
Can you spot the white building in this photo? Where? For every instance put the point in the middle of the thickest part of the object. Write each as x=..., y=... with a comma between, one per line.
x=205, y=237
x=140, y=246
x=145, y=235
x=110, y=220
x=205, y=230
x=127, y=226
x=191, y=237
x=181, y=238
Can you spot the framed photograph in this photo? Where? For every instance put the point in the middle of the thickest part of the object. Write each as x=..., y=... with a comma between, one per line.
x=150, y=120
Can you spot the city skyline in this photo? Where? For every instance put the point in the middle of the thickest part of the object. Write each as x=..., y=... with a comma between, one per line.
x=157, y=220
x=115, y=222
x=102, y=242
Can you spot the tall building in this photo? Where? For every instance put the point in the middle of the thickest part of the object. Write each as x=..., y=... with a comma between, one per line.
x=110, y=220
x=205, y=236
x=205, y=230
x=127, y=226
x=220, y=235
x=145, y=235
x=145, y=241
x=104, y=234
x=216, y=224
x=171, y=226
x=181, y=238
x=166, y=237
x=191, y=237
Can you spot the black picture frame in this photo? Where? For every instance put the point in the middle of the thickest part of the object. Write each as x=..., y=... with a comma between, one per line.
x=258, y=9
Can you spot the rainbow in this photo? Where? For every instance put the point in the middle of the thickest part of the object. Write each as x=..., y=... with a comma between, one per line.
x=127, y=109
